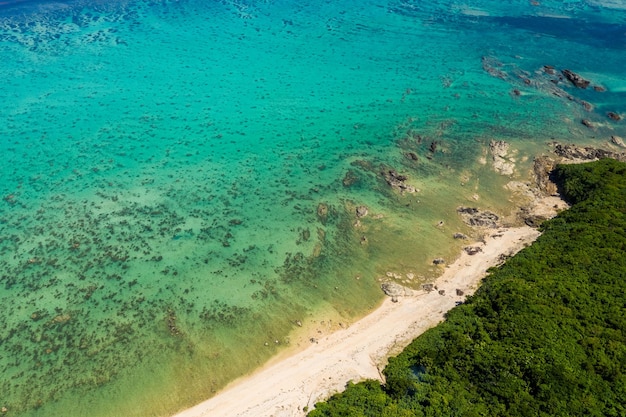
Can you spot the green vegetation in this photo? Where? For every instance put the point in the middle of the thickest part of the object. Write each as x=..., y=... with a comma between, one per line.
x=545, y=335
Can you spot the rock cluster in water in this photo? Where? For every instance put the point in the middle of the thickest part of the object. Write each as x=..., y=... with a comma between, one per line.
x=397, y=181
x=479, y=218
x=502, y=162
x=550, y=80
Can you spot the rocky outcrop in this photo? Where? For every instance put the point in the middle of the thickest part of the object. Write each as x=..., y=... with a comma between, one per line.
x=544, y=202
x=472, y=250
x=542, y=168
x=534, y=220
x=478, y=218
x=394, y=290
x=499, y=151
x=576, y=79
x=397, y=181
x=499, y=148
x=544, y=165
x=586, y=153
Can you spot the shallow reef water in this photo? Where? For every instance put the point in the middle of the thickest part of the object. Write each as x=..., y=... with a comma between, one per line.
x=182, y=181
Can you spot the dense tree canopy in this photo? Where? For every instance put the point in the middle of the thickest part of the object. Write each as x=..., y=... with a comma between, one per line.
x=545, y=335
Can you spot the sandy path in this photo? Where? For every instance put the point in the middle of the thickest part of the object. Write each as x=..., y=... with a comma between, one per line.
x=284, y=388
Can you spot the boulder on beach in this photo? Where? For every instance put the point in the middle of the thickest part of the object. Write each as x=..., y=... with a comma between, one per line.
x=394, y=290
x=472, y=250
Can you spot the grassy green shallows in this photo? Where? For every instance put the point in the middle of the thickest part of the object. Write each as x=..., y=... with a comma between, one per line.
x=545, y=335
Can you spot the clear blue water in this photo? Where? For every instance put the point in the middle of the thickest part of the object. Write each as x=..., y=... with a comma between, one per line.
x=180, y=179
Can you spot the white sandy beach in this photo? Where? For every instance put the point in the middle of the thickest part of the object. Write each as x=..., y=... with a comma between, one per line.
x=284, y=388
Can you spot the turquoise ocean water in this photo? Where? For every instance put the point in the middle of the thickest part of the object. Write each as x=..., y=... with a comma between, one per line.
x=180, y=178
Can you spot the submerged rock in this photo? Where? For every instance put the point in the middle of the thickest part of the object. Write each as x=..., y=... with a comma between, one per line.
x=171, y=323
x=439, y=261
x=614, y=116
x=587, y=123
x=501, y=164
x=616, y=140
x=361, y=211
x=499, y=148
x=411, y=155
x=549, y=69
x=350, y=179
x=494, y=67
x=322, y=212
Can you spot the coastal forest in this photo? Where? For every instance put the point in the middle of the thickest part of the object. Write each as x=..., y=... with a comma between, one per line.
x=545, y=334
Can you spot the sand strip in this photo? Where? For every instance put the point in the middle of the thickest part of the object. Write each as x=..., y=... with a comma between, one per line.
x=284, y=388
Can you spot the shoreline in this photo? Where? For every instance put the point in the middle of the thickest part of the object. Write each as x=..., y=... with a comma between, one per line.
x=287, y=386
